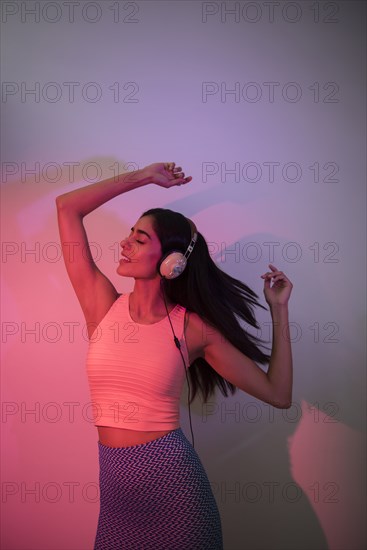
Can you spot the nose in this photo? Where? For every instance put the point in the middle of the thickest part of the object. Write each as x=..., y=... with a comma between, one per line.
x=128, y=243
x=124, y=243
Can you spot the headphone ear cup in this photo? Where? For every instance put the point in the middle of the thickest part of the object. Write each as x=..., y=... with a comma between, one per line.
x=172, y=265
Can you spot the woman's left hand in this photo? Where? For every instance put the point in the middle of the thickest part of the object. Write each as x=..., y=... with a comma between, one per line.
x=280, y=291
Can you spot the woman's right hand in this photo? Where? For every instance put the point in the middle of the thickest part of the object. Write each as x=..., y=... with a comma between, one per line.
x=165, y=174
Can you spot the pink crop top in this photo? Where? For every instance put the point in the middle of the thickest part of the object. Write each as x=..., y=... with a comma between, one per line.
x=135, y=371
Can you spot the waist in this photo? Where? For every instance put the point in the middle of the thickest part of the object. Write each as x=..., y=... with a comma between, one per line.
x=122, y=437
x=135, y=413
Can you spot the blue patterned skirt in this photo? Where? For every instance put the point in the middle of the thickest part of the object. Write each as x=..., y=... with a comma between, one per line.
x=156, y=496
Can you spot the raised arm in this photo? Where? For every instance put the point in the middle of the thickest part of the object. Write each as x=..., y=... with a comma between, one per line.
x=94, y=290
x=275, y=385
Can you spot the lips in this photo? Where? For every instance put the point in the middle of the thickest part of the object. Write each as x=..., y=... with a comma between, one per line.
x=125, y=258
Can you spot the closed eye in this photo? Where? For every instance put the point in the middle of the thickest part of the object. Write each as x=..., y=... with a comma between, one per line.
x=136, y=240
x=140, y=231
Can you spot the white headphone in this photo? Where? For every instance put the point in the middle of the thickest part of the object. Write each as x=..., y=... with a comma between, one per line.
x=173, y=263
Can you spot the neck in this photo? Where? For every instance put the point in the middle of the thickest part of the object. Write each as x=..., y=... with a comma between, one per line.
x=146, y=300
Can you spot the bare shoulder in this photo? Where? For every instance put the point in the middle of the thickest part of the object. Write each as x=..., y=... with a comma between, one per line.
x=198, y=334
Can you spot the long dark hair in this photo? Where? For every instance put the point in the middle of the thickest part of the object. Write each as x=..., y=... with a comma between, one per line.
x=219, y=299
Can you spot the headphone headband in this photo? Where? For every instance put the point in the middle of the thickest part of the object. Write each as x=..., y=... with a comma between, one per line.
x=194, y=236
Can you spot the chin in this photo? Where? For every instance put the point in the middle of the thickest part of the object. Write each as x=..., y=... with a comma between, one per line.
x=121, y=271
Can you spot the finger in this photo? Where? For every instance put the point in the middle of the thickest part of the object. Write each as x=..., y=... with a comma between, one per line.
x=283, y=281
x=184, y=180
x=279, y=274
x=278, y=279
x=273, y=279
x=271, y=275
x=273, y=268
x=267, y=283
x=178, y=169
x=276, y=272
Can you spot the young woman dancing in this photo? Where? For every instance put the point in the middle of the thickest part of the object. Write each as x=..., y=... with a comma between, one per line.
x=184, y=315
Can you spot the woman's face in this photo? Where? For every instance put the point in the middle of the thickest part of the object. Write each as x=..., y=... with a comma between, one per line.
x=141, y=251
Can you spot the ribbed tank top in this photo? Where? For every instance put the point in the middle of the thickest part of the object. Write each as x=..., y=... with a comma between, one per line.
x=135, y=371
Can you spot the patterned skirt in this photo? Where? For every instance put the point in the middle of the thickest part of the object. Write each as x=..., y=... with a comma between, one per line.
x=156, y=496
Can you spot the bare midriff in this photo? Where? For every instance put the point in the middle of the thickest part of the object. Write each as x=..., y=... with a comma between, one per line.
x=121, y=437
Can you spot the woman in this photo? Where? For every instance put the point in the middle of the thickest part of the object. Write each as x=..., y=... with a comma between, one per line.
x=154, y=492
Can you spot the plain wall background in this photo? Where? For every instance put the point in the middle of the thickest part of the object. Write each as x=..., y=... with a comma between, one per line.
x=224, y=89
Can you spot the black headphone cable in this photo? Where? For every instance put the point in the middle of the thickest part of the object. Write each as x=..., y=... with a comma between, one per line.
x=178, y=346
